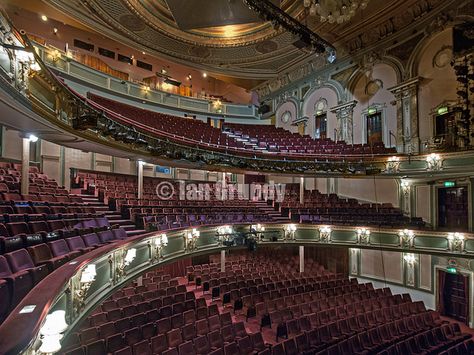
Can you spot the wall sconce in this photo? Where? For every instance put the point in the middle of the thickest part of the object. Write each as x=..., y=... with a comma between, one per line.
x=258, y=230
x=407, y=238
x=405, y=187
x=160, y=243
x=55, y=55
x=51, y=332
x=363, y=235
x=410, y=261
x=128, y=258
x=223, y=233
x=290, y=232
x=217, y=105
x=190, y=239
x=434, y=162
x=325, y=234
x=392, y=165
x=88, y=275
x=456, y=242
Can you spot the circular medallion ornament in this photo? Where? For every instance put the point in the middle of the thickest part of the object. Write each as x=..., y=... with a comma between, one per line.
x=266, y=47
x=443, y=57
x=132, y=23
x=200, y=52
x=285, y=118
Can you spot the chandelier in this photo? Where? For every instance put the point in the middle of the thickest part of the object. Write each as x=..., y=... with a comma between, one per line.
x=332, y=11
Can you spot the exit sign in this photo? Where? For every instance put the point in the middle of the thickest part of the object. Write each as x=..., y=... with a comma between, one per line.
x=449, y=183
x=452, y=270
x=442, y=110
x=372, y=110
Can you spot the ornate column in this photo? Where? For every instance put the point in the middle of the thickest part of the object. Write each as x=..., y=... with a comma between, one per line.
x=406, y=95
x=301, y=257
x=345, y=126
x=25, y=166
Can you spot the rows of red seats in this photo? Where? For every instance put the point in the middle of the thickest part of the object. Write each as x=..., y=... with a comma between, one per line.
x=277, y=139
x=192, y=129
x=163, y=317
x=259, y=138
x=319, y=208
x=29, y=258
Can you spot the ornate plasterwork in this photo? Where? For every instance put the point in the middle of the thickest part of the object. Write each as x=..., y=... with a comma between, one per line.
x=386, y=41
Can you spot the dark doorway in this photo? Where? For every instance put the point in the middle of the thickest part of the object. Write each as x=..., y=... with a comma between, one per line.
x=374, y=128
x=321, y=126
x=452, y=208
x=453, y=296
x=445, y=129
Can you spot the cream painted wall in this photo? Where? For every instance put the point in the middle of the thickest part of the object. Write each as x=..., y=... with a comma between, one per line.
x=370, y=190
x=291, y=107
x=309, y=109
x=122, y=166
x=384, y=265
x=437, y=84
x=423, y=203
x=388, y=78
x=11, y=142
x=51, y=160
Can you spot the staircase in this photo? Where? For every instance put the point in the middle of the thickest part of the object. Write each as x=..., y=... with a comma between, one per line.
x=114, y=217
x=270, y=211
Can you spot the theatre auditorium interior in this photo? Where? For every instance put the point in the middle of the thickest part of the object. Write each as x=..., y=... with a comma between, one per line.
x=236, y=177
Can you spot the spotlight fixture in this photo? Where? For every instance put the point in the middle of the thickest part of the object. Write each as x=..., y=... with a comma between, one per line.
x=55, y=30
x=44, y=18
x=306, y=39
x=204, y=75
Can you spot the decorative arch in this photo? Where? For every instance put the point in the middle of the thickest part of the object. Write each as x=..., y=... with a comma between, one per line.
x=291, y=105
x=329, y=84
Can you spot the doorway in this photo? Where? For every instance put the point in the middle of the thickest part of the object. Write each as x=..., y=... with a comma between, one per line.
x=374, y=128
x=453, y=208
x=445, y=129
x=453, y=296
x=321, y=126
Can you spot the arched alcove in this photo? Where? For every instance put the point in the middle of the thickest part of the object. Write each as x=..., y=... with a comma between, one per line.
x=285, y=114
x=323, y=96
x=438, y=80
x=375, y=104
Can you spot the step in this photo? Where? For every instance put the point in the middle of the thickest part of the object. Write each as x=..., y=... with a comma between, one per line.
x=128, y=227
x=134, y=232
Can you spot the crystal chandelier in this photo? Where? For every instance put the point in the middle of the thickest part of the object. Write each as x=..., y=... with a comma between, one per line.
x=334, y=11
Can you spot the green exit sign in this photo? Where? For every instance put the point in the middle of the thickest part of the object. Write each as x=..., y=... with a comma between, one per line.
x=449, y=183
x=372, y=110
x=451, y=270
x=442, y=110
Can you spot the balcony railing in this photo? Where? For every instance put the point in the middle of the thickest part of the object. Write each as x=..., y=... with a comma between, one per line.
x=115, y=266
x=61, y=62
